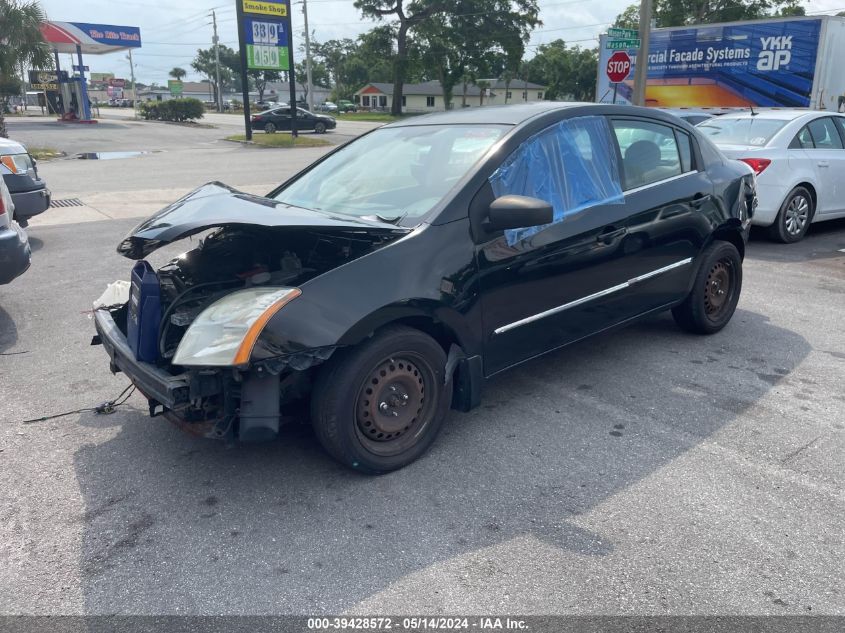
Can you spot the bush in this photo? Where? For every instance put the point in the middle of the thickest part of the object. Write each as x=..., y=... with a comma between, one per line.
x=172, y=110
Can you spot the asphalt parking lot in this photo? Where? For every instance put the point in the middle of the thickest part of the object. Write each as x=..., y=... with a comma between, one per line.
x=643, y=472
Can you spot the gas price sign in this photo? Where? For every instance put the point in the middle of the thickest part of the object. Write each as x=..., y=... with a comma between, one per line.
x=266, y=44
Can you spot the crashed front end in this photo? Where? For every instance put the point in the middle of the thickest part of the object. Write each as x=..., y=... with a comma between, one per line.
x=191, y=336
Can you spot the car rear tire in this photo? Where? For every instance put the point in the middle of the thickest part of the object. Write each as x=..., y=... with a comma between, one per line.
x=712, y=301
x=320, y=128
x=270, y=128
x=794, y=218
x=378, y=406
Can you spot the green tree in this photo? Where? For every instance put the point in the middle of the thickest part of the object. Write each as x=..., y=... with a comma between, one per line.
x=685, y=12
x=21, y=45
x=476, y=39
x=230, y=68
x=568, y=73
x=410, y=14
x=178, y=73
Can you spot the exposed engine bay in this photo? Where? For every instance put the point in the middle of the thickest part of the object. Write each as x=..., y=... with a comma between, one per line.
x=228, y=402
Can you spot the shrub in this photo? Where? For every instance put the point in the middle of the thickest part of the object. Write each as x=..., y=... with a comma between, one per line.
x=172, y=110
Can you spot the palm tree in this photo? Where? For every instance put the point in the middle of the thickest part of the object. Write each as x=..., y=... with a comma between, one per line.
x=21, y=44
x=177, y=73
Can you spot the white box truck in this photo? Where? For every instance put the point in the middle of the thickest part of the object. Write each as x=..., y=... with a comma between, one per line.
x=796, y=62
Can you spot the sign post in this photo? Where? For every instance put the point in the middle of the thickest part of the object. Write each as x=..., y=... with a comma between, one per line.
x=264, y=33
x=618, y=68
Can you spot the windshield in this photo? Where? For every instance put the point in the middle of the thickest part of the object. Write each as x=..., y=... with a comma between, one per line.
x=393, y=172
x=746, y=131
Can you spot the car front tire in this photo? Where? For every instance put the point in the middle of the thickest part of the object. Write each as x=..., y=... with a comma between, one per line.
x=379, y=406
x=715, y=293
x=794, y=218
x=320, y=128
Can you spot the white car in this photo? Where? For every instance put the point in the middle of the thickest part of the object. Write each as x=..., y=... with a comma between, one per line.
x=799, y=159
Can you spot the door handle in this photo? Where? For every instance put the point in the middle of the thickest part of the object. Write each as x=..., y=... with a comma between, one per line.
x=700, y=200
x=610, y=234
x=823, y=163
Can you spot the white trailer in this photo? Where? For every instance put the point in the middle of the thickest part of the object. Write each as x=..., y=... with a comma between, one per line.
x=796, y=62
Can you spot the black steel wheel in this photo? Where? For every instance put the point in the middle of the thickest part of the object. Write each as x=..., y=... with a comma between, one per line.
x=379, y=406
x=270, y=128
x=716, y=289
x=320, y=128
x=794, y=218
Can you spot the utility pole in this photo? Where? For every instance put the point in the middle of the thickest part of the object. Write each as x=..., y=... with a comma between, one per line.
x=309, y=78
x=215, y=40
x=641, y=69
x=134, y=87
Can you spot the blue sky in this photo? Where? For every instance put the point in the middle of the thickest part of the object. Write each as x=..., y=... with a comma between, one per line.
x=172, y=30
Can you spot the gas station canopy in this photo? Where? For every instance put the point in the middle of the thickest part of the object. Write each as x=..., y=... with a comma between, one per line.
x=70, y=37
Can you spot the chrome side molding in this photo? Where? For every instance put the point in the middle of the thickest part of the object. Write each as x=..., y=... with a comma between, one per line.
x=592, y=297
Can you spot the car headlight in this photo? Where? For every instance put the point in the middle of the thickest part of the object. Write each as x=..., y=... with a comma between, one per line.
x=225, y=333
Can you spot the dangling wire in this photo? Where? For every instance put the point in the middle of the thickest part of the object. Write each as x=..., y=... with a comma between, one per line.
x=106, y=408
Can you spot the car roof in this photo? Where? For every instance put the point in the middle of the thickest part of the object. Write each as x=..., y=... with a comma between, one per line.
x=491, y=115
x=529, y=113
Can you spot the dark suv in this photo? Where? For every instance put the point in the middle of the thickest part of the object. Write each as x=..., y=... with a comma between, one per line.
x=384, y=284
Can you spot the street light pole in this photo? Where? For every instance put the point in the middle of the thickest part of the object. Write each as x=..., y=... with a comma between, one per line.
x=309, y=79
x=641, y=69
x=215, y=40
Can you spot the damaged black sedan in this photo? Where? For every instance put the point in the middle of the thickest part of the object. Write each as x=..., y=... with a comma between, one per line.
x=384, y=284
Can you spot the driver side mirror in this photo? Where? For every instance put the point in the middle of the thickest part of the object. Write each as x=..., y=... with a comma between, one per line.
x=518, y=212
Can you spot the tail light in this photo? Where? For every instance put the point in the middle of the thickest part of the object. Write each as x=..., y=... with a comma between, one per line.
x=757, y=164
x=255, y=119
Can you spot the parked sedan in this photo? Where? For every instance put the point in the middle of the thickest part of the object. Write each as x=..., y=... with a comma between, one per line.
x=387, y=282
x=14, y=244
x=280, y=120
x=799, y=159
x=29, y=191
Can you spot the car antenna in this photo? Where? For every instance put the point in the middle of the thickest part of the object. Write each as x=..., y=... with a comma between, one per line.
x=753, y=113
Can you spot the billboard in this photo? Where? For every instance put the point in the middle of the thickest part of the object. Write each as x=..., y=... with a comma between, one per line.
x=765, y=64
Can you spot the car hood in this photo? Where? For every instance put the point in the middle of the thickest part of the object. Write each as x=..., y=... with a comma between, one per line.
x=8, y=146
x=216, y=205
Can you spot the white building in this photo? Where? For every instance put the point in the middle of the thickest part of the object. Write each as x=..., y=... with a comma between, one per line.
x=428, y=96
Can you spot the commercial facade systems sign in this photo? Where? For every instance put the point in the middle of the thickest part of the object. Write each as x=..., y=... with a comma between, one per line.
x=763, y=64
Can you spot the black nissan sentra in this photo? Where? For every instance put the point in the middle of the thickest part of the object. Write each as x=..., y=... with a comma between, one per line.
x=386, y=282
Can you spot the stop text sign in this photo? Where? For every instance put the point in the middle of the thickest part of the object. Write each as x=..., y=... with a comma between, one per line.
x=618, y=67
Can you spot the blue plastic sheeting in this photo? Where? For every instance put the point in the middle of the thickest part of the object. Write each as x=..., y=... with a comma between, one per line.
x=571, y=165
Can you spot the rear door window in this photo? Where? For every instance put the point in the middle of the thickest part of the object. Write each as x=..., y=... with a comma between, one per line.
x=685, y=149
x=825, y=134
x=649, y=152
x=802, y=140
x=840, y=125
